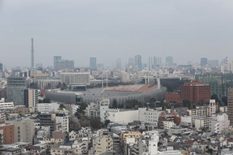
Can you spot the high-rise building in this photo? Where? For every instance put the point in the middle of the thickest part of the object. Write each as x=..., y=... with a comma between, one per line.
x=230, y=104
x=118, y=63
x=157, y=62
x=15, y=89
x=31, y=99
x=169, y=61
x=32, y=54
x=60, y=63
x=203, y=61
x=131, y=62
x=93, y=62
x=1, y=67
x=138, y=61
x=62, y=122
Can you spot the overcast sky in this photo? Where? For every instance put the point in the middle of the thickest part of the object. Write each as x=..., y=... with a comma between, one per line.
x=111, y=29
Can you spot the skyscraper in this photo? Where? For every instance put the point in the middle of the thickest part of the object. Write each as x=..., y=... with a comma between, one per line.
x=230, y=104
x=203, y=61
x=93, y=62
x=32, y=54
x=1, y=67
x=118, y=63
x=169, y=61
x=138, y=61
x=157, y=62
x=15, y=89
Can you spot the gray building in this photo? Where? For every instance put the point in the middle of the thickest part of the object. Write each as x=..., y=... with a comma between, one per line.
x=15, y=89
x=60, y=63
x=93, y=62
x=169, y=61
x=48, y=120
x=203, y=61
x=138, y=61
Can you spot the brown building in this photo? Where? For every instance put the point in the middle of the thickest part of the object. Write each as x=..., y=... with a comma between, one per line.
x=230, y=105
x=196, y=92
x=8, y=133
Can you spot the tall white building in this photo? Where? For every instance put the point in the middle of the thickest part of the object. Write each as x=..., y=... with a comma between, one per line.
x=82, y=78
x=62, y=122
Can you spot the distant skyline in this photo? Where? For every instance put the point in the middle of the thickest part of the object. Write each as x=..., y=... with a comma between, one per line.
x=107, y=30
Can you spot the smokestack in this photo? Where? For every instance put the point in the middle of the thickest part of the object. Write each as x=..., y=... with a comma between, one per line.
x=32, y=54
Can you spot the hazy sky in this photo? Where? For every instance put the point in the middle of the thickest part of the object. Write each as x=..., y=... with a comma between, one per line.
x=111, y=29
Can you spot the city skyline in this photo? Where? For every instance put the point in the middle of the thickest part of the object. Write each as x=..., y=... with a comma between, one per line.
x=93, y=28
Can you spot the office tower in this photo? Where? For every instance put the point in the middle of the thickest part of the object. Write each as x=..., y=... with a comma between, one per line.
x=15, y=89
x=156, y=62
x=1, y=67
x=169, y=61
x=32, y=54
x=60, y=63
x=118, y=63
x=230, y=104
x=131, y=62
x=203, y=61
x=31, y=99
x=138, y=61
x=93, y=62
x=150, y=63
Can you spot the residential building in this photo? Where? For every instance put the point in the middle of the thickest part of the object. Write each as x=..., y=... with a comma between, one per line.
x=102, y=144
x=8, y=133
x=48, y=120
x=230, y=104
x=47, y=107
x=220, y=124
x=31, y=99
x=15, y=89
x=6, y=106
x=62, y=122
x=24, y=130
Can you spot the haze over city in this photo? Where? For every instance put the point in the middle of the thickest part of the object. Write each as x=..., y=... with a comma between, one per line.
x=77, y=30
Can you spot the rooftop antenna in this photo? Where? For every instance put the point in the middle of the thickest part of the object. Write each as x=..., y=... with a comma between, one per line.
x=32, y=54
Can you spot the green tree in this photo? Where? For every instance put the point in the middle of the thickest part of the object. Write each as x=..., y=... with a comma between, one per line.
x=95, y=124
x=81, y=110
x=61, y=106
x=214, y=96
x=187, y=103
x=106, y=122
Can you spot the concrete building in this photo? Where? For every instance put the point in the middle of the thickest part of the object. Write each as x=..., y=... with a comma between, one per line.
x=15, y=89
x=24, y=130
x=230, y=104
x=6, y=105
x=47, y=107
x=121, y=116
x=102, y=144
x=31, y=99
x=220, y=124
x=62, y=122
x=149, y=116
x=60, y=64
x=75, y=78
x=168, y=124
x=203, y=123
x=48, y=120
x=8, y=133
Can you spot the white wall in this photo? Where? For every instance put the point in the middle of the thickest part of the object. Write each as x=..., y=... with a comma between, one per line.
x=122, y=116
